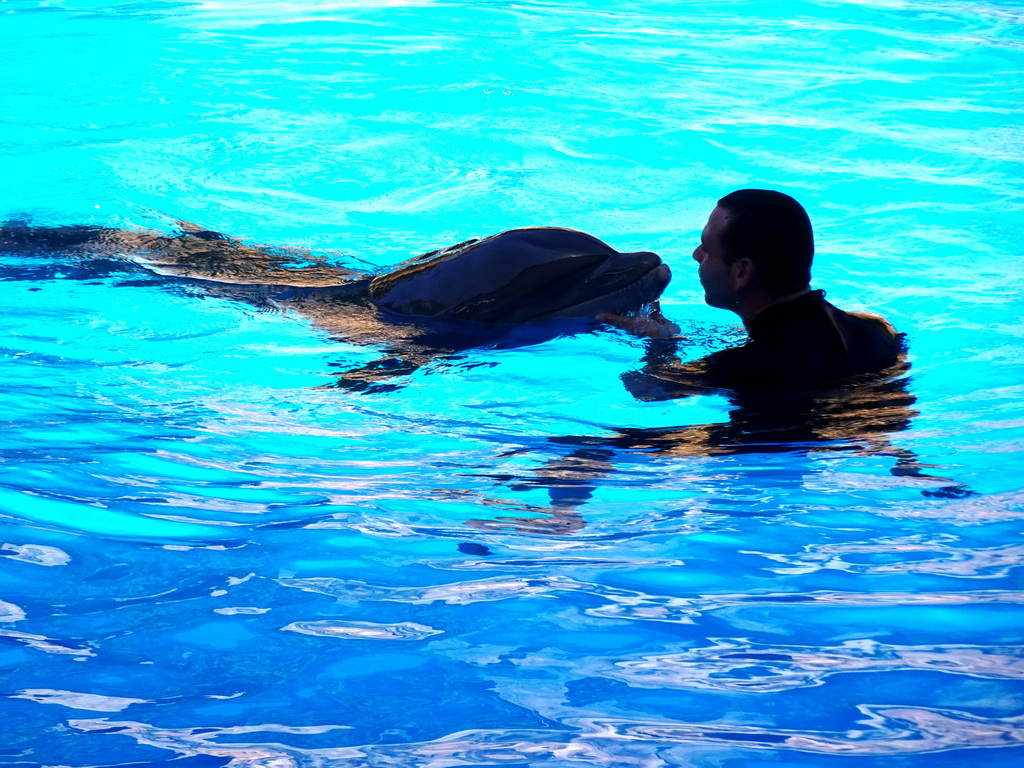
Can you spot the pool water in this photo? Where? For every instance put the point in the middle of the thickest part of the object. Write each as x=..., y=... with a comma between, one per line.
x=211, y=558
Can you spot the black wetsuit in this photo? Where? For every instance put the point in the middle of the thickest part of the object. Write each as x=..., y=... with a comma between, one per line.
x=794, y=345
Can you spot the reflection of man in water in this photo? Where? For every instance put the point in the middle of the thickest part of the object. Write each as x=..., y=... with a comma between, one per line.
x=810, y=378
x=755, y=259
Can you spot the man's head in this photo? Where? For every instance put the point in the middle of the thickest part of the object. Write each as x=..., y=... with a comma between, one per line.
x=757, y=243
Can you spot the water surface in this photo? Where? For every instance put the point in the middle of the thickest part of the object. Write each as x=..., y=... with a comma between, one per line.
x=213, y=559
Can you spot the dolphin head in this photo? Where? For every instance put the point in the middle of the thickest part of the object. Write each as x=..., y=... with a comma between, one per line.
x=523, y=276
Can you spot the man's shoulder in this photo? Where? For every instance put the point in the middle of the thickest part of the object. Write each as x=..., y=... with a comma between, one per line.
x=877, y=321
x=868, y=336
x=808, y=341
x=812, y=319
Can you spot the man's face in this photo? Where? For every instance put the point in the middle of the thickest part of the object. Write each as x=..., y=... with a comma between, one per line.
x=714, y=273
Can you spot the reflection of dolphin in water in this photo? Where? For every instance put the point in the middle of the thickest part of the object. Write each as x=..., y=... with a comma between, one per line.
x=517, y=287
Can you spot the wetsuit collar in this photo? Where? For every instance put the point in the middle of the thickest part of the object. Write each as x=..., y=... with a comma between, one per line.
x=747, y=321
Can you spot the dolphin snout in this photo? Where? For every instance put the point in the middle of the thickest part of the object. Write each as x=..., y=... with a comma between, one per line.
x=662, y=276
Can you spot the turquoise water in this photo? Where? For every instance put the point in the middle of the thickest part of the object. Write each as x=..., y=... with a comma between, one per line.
x=212, y=559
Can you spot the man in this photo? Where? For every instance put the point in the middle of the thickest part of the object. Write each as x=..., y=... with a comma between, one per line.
x=755, y=259
x=793, y=386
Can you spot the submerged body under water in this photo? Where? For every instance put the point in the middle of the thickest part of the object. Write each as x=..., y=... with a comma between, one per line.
x=210, y=555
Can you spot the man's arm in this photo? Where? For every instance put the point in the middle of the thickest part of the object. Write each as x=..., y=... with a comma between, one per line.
x=665, y=376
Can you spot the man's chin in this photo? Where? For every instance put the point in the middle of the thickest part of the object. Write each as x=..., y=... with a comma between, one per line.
x=718, y=302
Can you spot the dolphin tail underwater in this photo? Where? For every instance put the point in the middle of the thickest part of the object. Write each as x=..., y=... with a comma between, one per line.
x=514, y=288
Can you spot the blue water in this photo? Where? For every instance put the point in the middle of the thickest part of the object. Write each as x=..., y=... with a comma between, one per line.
x=209, y=558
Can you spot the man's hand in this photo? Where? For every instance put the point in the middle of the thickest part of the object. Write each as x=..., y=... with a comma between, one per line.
x=653, y=325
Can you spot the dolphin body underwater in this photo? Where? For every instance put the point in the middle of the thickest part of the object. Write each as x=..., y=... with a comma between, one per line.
x=519, y=287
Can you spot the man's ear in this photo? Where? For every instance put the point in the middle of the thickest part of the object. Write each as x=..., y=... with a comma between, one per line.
x=743, y=273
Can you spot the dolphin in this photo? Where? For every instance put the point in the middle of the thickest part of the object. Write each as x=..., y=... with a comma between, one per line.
x=517, y=287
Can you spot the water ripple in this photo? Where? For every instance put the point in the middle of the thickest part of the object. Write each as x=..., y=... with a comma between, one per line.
x=887, y=731
x=459, y=593
x=630, y=604
x=91, y=701
x=734, y=665
x=46, y=644
x=362, y=630
x=39, y=554
x=904, y=555
x=590, y=740
x=556, y=562
x=9, y=612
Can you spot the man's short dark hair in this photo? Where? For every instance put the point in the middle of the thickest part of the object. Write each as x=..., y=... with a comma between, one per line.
x=774, y=232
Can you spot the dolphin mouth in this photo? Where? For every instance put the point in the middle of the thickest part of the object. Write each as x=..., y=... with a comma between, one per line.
x=632, y=296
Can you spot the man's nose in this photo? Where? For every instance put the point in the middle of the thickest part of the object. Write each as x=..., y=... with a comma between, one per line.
x=697, y=255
